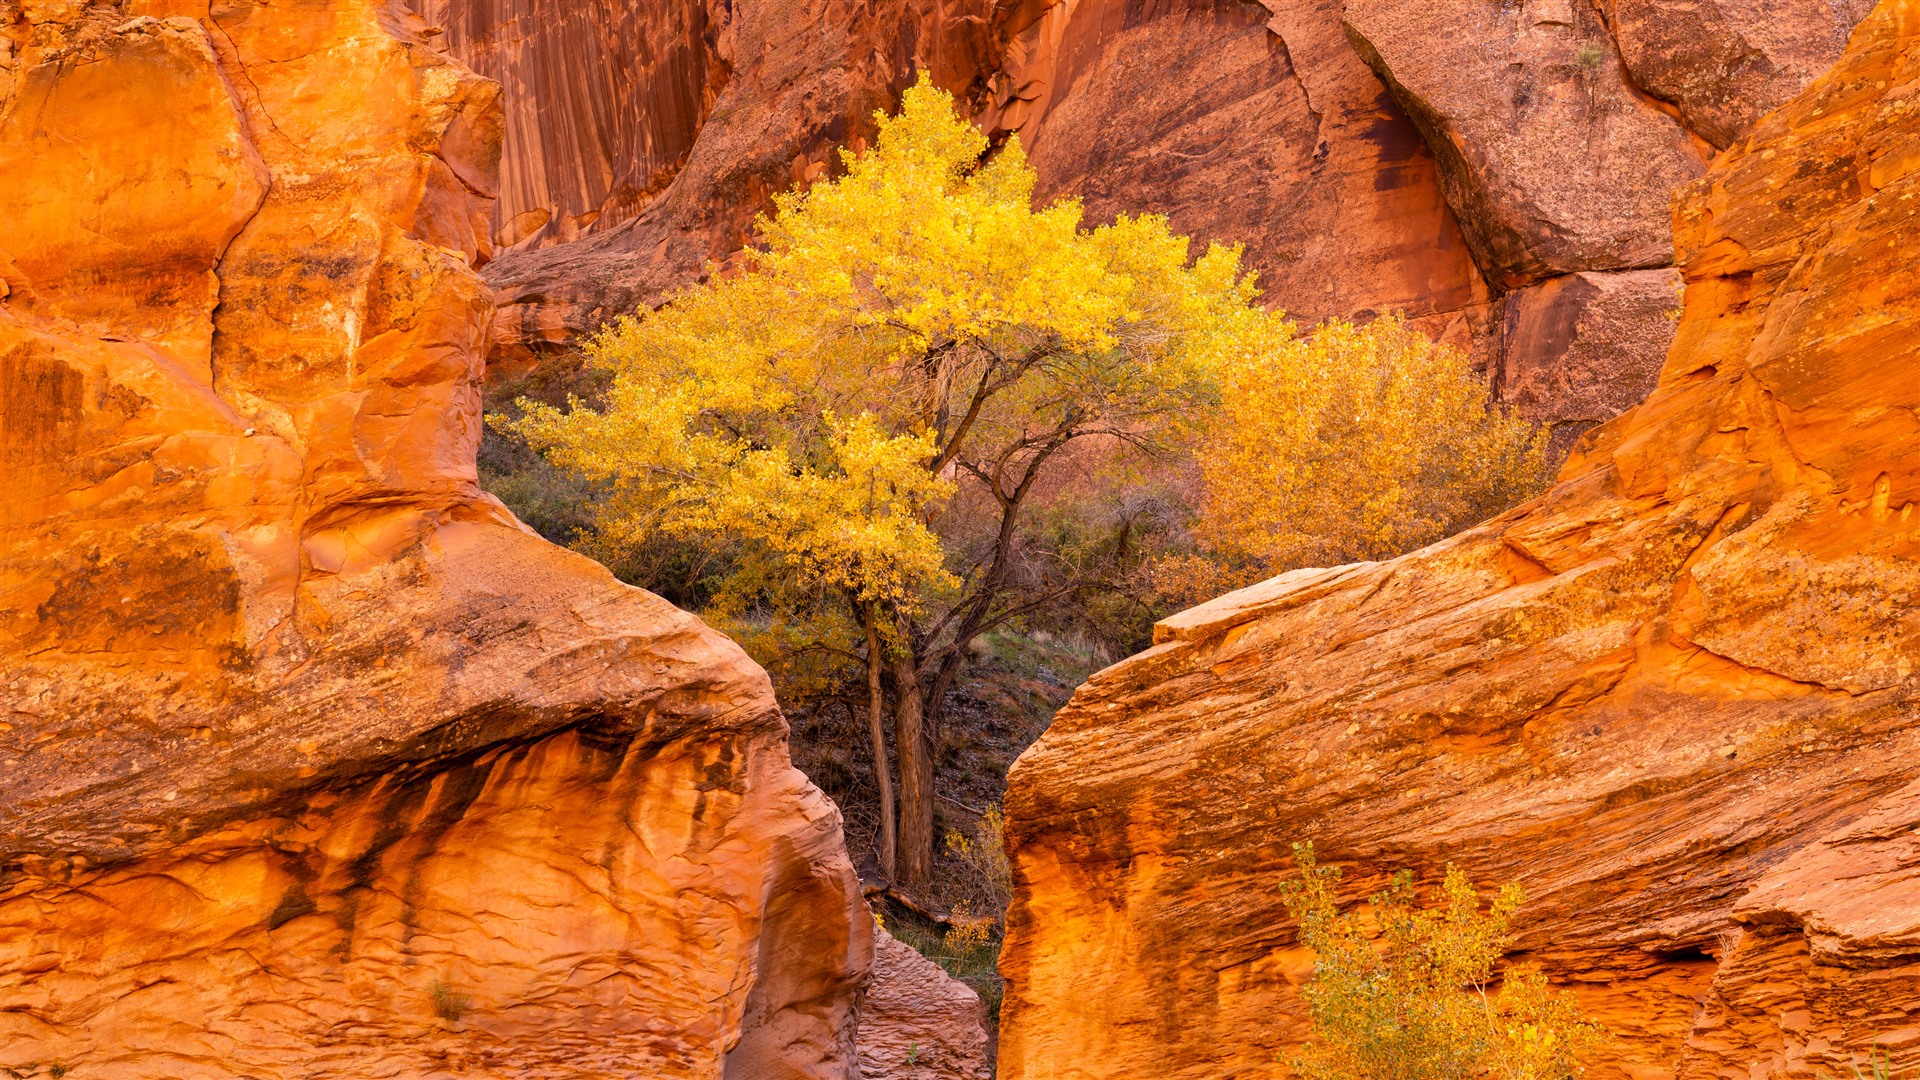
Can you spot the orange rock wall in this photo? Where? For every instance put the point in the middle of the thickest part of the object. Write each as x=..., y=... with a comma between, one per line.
x=311, y=756
x=1674, y=697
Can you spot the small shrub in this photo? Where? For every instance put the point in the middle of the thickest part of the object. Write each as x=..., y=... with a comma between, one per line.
x=985, y=854
x=448, y=1004
x=1426, y=1001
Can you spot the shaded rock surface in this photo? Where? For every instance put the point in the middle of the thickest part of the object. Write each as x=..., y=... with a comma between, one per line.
x=1674, y=697
x=1243, y=124
x=1724, y=63
x=1579, y=349
x=917, y=1022
x=1547, y=158
x=314, y=760
x=762, y=100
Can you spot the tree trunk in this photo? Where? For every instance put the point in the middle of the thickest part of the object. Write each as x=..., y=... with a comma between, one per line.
x=876, y=710
x=916, y=774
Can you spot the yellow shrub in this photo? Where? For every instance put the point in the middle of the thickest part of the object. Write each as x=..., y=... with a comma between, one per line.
x=1428, y=999
x=1355, y=442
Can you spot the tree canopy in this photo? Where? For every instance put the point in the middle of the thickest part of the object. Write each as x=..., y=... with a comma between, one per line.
x=922, y=407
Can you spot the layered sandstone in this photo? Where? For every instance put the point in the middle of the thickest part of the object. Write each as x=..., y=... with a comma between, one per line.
x=1674, y=697
x=315, y=761
x=917, y=1022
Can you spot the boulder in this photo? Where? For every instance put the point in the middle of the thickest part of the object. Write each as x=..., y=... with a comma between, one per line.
x=315, y=761
x=1549, y=157
x=1674, y=697
x=917, y=1022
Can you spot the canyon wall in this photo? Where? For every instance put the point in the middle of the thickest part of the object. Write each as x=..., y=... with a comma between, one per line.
x=315, y=761
x=1499, y=173
x=1674, y=697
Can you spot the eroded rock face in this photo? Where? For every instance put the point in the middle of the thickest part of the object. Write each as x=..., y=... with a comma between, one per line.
x=917, y=1022
x=1674, y=697
x=591, y=140
x=313, y=758
x=1249, y=125
x=1725, y=63
x=782, y=84
x=1579, y=349
x=1548, y=158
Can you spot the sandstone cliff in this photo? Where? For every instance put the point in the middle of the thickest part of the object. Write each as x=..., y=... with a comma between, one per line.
x=1499, y=172
x=1674, y=697
x=313, y=761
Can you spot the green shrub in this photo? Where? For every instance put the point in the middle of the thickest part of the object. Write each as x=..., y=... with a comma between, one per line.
x=1426, y=1000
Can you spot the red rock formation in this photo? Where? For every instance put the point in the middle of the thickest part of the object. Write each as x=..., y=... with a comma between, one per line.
x=315, y=762
x=608, y=97
x=1579, y=349
x=643, y=138
x=1549, y=160
x=1287, y=144
x=784, y=83
x=1558, y=162
x=917, y=1022
x=1724, y=63
x=1674, y=697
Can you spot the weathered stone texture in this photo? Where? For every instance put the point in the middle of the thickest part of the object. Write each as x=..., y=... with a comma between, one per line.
x=917, y=1022
x=313, y=761
x=1580, y=349
x=1548, y=158
x=1724, y=63
x=1674, y=697
x=1248, y=125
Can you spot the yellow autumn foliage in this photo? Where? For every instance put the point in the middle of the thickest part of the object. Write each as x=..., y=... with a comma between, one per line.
x=910, y=326
x=1418, y=992
x=1355, y=442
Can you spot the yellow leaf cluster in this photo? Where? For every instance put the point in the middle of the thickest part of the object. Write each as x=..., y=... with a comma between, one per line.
x=1355, y=442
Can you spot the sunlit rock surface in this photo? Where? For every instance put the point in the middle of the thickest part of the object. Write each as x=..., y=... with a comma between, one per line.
x=1674, y=697
x=313, y=761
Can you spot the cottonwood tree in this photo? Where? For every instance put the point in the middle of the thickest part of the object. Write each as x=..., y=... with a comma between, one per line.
x=868, y=410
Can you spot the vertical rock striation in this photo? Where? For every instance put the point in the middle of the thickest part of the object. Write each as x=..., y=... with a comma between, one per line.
x=761, y=102
x=1674, y=697
x=313, y=761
